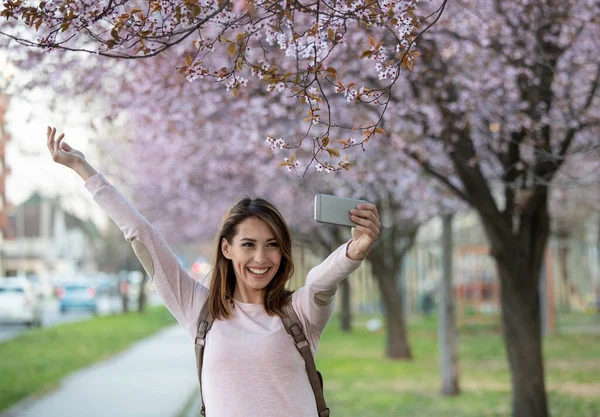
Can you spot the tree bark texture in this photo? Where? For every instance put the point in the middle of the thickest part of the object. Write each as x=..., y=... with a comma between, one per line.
x=386, y=260
x=345, y=306
x=447, y=330
x=519, y=262
x=142, y=297
x=597, y=289
x=569, y=289
x=125, y=302
x=522, y=332
x=329, y=240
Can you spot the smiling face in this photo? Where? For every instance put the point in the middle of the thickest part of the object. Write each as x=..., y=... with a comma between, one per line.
x=255, y=255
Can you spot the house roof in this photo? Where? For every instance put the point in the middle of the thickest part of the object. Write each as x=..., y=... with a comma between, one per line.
x=32, y=208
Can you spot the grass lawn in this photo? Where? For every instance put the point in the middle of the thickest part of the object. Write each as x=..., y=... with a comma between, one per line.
x=360, y=382
x=35, y=361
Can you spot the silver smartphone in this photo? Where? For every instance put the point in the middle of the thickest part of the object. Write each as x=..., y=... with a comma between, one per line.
x=335, y=210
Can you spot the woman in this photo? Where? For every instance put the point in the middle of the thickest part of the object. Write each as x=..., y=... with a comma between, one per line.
x=251, y=364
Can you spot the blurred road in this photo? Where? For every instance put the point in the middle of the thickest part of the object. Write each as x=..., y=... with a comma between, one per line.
x=51, y=315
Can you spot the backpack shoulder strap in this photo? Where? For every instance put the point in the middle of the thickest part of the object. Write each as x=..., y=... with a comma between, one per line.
x=205, y=322
x=294, y=327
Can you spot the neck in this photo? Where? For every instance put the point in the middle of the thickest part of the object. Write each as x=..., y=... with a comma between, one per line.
x=248, y=298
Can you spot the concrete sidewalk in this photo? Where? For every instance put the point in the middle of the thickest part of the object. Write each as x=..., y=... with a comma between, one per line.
x=153, y=378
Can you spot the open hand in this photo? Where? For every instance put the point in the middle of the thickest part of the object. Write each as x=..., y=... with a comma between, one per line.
x=366, y=232
x=61, y=152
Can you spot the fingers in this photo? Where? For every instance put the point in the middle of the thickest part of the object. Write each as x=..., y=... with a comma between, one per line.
x=366, y=225
x=58, y=141
x=368, y=213
x=54, y=144
x=366, y=218
x=368, y=206
x=51, y=133
x=50, y=139
x=367, y=231
x=55, y=141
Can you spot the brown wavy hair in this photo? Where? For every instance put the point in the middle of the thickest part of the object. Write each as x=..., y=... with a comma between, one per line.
x=223, y=281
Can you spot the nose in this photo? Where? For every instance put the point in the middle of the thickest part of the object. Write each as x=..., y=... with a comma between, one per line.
x=260, y=256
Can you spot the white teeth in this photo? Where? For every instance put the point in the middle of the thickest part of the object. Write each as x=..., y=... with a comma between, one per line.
x=257, y=271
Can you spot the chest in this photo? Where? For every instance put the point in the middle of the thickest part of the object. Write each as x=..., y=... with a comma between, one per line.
x=251, y=341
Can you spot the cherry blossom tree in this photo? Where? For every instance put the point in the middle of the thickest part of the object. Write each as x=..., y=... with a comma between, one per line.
x=505, y=93
x=291, y=48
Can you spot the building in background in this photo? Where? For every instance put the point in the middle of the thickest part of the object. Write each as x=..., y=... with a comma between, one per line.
x=4, y=172
x=49, y=242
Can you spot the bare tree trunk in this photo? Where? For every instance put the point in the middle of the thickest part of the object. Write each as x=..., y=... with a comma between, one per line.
x=346, y=306
x=598, y=242
x=397, y=335
x=522, y=331
x=563, y=253
x=519, y=262
x=597, y=289
x=142, y=297
x=124, y=290
x=328, y=242
x=386, y=260
x=447, y=330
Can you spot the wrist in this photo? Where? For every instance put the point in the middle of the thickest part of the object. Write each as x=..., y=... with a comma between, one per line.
x=85, y=170
x=353, y=254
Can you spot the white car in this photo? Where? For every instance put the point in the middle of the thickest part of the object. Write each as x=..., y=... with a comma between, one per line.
x=18, y=303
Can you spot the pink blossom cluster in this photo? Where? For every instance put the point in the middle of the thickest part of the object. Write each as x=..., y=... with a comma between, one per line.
x=289, y=48
x=275, y=144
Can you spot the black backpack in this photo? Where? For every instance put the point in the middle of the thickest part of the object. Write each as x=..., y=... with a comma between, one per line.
x=293, y=327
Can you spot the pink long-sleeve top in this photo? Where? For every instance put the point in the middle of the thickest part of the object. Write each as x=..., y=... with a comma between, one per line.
x=251, y=365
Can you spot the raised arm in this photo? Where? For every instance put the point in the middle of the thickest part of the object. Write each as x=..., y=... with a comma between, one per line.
x=315, y=300
x=182, y=295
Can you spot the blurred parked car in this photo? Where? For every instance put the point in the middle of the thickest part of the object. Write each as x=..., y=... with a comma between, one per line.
x=108, y=288
x=77, y=296
x=18, y=303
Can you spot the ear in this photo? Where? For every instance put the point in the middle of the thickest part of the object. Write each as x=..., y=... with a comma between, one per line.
x=226, y=248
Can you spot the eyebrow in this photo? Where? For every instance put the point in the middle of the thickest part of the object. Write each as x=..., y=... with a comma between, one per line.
x=254, y=240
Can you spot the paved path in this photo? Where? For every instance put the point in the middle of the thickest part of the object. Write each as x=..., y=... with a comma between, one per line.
x=154, y=378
